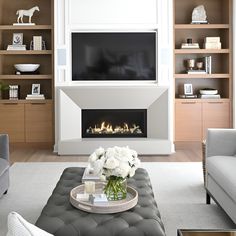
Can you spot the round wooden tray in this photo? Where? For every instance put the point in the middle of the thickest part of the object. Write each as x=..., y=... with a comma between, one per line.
x=104, y=208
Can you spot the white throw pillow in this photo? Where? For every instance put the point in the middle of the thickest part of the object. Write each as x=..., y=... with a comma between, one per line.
x=18, y=226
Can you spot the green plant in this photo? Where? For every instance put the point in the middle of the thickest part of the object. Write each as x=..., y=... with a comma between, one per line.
x=3, y=86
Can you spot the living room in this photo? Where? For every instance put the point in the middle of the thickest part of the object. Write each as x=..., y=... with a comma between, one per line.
x=144, y=87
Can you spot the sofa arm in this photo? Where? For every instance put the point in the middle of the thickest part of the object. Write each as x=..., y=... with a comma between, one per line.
x=221, y=142
x=4, y=146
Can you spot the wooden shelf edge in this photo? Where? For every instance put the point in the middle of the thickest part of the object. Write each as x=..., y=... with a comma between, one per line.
x=201, y=26
x=26, y=27
x=25, y=52
x=200, y=100
x=24, y=101
x=25, y=77
x=202, y=76
x=209, y=51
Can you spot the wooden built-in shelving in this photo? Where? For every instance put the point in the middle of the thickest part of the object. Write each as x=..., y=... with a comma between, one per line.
x=194, y=116
x=27, y=120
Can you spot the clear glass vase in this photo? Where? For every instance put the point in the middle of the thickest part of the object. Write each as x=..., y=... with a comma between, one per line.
x=116, y=188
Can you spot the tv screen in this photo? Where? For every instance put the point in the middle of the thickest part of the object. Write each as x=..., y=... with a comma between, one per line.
x=114, y=56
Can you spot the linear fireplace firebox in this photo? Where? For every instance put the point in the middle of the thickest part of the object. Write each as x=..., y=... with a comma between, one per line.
x=114, y=123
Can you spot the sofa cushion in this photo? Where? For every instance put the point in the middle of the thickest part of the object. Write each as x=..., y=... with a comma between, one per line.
x=223, y=170
x=4, y=165
x=18, y=226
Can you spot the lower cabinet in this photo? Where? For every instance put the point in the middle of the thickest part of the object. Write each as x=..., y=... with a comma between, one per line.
x=12, y=121
x=215, y=115
x=38, y=122
x=193, y=118
x=188, y=121
x=27, y=122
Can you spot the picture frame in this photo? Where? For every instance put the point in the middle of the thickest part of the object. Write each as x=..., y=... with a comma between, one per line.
x=17, y=39
x=188, y=89
x=35, y=89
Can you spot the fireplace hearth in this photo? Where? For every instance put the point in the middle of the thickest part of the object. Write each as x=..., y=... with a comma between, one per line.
x=114, y=123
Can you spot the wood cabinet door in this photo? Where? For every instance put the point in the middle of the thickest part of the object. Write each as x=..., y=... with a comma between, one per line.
x=12, y=121
x=38, y=122
x=216, y=114
x=188, y=120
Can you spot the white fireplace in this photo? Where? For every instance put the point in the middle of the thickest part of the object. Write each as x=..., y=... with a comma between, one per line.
x=74, y=99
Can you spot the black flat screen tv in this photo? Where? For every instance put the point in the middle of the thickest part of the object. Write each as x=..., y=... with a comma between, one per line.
x=121, y=56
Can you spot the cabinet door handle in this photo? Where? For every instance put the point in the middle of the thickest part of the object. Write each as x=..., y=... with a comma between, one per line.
x=215, y=102
x=10, y=103
x=188, y=102
x=37, y=103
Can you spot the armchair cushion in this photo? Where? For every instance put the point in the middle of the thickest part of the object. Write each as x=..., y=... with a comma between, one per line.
x=222, y=170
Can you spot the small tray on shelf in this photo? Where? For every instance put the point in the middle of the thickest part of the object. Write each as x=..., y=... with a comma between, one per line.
x=104, y=208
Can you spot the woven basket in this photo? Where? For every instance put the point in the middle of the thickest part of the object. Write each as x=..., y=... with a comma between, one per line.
x=204, y=160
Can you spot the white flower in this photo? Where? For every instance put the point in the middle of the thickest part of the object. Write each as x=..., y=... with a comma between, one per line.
x=93, y=157
x=115, y=161
x=111, y=163
x=100, y=151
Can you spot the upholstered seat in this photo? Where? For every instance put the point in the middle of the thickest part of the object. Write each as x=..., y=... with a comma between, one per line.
x=4, y=164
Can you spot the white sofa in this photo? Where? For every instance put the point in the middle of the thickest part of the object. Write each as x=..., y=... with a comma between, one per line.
x=221, y=169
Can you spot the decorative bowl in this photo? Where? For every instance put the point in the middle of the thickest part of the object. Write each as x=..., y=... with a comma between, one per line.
x=26, y=67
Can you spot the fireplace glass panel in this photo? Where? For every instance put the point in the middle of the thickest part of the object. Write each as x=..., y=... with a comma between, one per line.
x=114, y=123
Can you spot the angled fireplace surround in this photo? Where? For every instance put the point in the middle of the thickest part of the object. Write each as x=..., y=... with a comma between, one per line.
x=74, y=99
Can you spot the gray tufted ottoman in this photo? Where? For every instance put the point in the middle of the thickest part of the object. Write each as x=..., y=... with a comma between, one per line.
x=60, y=218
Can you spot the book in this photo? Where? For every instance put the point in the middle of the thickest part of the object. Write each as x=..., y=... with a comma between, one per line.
x=207, y=62
x=193, y=72
x=199, y=22
x=190, y=45
x=187, y=96
x=13, y=91
x=16, y=47
x=35, y=96
x=212, y=40
x=89, y=176
x=209, y=96
x=212, y=45
x=37, y=42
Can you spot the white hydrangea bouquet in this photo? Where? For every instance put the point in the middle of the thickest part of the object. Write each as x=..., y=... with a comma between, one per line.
x=115, y=165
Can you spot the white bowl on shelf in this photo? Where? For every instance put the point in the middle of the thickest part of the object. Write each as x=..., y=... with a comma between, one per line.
x=26, y=67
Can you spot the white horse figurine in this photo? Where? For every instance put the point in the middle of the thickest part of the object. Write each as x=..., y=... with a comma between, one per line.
x=29, y=13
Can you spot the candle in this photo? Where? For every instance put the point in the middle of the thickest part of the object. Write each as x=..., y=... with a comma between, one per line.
x=89, y=187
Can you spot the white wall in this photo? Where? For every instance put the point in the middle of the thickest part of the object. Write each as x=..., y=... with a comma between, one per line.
x=94, y=15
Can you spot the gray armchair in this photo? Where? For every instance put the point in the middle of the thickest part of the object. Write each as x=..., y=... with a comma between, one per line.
x=221, y=169
x=4, y=164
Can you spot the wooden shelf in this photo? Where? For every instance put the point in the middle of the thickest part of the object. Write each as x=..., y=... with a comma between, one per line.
x=203, y=76
x=201, y=51
x=25, y=52
x=26, y=27
x=24, y=101
x=25, y=77
x=202, y=100
x=201, y=26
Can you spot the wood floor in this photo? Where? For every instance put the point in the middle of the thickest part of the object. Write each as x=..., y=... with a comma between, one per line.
x=185, y=152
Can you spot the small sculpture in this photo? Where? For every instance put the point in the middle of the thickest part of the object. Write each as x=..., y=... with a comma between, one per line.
x=199, y=15
x=29, y=13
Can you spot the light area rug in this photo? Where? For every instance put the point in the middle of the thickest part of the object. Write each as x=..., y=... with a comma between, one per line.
x=178, y=189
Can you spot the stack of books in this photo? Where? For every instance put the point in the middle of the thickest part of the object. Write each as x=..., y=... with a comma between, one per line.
x=16, y=47
x=199, y=22
x=209, y=96
x=196, y=72
x=13, y=92
x=34, y=96
x=37, y=42
x=212, y=43
x=188, y=96
x=190, y=46
x=207, y=62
